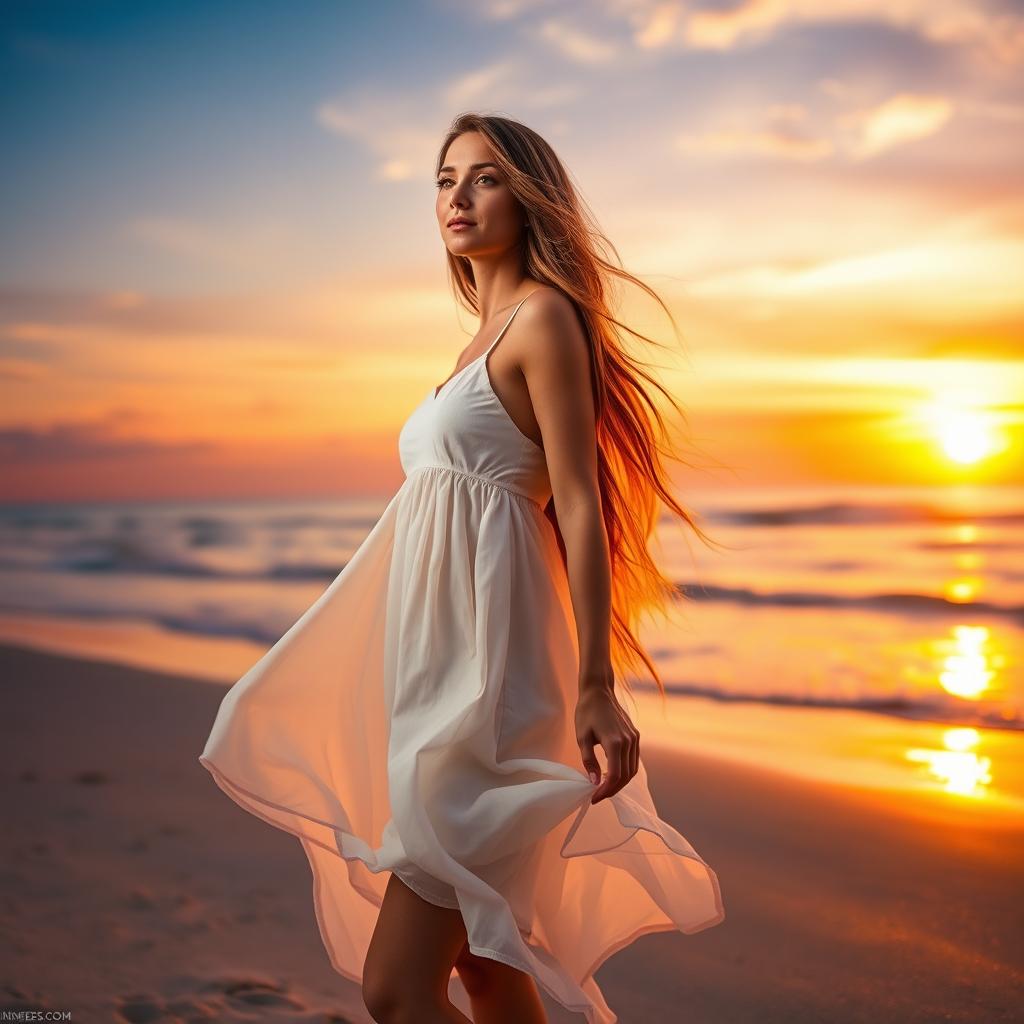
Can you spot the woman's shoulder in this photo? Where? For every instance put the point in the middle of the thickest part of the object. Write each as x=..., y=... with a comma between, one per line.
x=550, y=327
x=548, y=307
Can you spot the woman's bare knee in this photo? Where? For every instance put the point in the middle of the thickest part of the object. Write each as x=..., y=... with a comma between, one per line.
x=391, y=1000
x=410, y=957
x=379, y=996
x=383, y=994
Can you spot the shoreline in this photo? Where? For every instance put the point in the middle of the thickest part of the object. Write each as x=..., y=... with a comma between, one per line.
x=977, y=770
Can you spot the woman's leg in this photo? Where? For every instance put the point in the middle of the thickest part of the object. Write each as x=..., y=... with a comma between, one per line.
x=410, y=959
x=499, y=994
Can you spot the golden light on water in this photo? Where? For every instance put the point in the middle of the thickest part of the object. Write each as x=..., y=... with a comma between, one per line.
x=968, y=668
x=961, y=738
x=963, y=590
x=958, y=766
x=968, y=560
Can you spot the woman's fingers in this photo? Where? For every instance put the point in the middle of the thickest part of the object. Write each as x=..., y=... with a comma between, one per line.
x=590, y=762
x=625, y=761
x=609, y=784
x=600, y=719
x=622, y=752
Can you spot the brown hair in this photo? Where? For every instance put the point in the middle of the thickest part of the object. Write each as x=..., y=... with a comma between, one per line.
x=562, y=247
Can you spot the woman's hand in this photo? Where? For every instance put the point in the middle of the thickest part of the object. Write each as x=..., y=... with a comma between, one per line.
x=601, y=719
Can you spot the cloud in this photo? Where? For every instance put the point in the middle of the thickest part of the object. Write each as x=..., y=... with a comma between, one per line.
x=402, y=130
x=73, y=441
x=479, y=85
x=787, y=132
x=898, y=120
x=861, y=380
x=61, y=319
x=785, y=136
x=576, y=44
x=48, y=333
x=1009, y=112
x=396, y=170
x=958, y=22
x=124, y=299
x=502, y=10
x=28, y=302
x=958, y=273
x=21, y=369
x=992, y=34
x=659, y=27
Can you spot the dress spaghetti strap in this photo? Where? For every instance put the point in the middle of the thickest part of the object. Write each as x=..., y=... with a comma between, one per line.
x=508, y=322
x=436, y=392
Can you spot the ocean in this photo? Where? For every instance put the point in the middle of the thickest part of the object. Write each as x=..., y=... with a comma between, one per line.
x=900, y=602
x=862, y=635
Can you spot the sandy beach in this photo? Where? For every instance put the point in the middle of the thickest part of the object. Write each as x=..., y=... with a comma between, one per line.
x=135, y=890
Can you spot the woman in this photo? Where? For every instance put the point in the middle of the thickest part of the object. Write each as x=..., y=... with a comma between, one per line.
x=421, y=727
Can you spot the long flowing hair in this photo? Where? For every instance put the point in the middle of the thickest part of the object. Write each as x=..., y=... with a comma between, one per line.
x=564, y=248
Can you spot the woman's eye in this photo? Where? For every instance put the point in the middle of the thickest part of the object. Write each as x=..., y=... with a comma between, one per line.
x=444, y=181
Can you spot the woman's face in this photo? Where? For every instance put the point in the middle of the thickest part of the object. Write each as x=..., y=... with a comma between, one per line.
x=479, y=194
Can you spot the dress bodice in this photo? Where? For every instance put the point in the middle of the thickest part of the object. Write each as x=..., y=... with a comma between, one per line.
x=463, y=426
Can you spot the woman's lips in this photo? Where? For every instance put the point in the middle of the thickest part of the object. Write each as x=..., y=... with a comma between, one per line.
x=461, y=225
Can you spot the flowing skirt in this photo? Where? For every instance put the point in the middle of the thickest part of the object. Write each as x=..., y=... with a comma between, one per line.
x=418, y=718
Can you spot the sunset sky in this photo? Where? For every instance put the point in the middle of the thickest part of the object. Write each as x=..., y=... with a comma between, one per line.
x=222, y=274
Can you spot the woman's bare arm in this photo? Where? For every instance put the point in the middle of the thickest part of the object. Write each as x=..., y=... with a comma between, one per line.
x=556, y=365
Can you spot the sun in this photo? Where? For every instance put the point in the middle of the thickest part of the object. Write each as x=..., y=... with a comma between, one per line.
x=966, y=435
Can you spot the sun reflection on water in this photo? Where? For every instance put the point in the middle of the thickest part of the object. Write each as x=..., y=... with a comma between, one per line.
x=959, y=767
x=963, y=590
x=967, y=670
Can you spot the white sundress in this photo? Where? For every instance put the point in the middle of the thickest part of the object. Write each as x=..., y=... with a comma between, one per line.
x=418, y=718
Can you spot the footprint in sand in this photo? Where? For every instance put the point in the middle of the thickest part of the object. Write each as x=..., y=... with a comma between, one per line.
x=140, y=1008
x=141, y=898
x=16, y=1000
x=250, y=992
x=223, y=999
